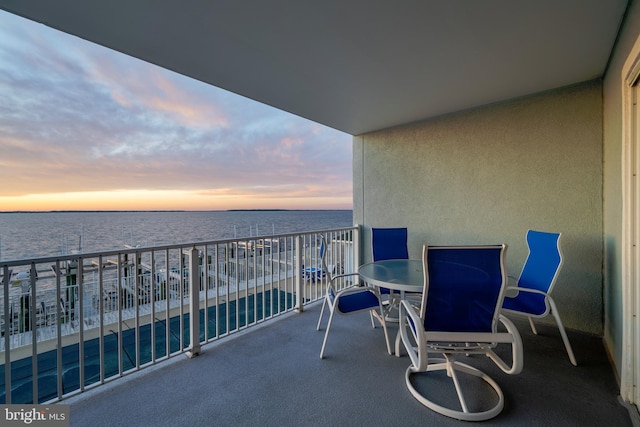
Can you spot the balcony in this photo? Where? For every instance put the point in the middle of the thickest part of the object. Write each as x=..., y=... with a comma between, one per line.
x=82, y=325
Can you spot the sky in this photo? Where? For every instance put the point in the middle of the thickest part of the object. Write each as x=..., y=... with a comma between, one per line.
x=83, y=127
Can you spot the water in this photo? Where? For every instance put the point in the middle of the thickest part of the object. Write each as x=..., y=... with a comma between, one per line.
x=27, y=235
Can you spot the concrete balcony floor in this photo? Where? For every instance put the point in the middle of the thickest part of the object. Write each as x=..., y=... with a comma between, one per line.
x=272, y=376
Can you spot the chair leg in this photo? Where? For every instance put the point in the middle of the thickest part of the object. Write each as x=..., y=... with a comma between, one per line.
x=380, y=317
x=563, y=333
x=391, y=304
x=373, y=323
x=451, y=372
x=533, y=327
x=326, y=335
x=324, y=302
x=462, y=412
x=398, y=347
x=386, y=338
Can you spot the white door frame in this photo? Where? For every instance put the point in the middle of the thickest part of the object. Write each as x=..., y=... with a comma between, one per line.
x=630, y=369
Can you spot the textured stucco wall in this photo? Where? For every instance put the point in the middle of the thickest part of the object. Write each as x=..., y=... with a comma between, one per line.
x=488, y=175
x=612, y=137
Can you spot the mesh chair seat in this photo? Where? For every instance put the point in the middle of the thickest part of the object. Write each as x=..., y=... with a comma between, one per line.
x=366, y=299
x=525, y=302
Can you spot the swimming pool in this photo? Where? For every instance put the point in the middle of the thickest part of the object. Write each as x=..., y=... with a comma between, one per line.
x=245, y=309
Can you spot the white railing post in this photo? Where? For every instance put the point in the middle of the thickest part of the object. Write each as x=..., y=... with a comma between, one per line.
x=357, y=255
x=298, y=276
x=6, y=330
x=194, y=303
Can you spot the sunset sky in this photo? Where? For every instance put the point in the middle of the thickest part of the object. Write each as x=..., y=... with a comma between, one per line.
x=86, y=128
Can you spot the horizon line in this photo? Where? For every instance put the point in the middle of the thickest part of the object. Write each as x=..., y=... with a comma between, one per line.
x=169, y=210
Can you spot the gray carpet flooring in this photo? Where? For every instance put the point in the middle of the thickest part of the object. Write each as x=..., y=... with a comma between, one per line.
x=273, y=376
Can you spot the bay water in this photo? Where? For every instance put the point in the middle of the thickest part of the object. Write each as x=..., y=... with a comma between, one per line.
x=37, y=234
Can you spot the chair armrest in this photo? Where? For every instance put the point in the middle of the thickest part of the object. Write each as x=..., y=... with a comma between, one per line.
x=419, y=359
x=339, y=276
x=351, y=290
x=411, y=311
x=516, y=349
x=409, y=320
x=517, y=289
x=344, y=275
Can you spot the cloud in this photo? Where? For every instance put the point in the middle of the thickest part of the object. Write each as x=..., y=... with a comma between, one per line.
x=153, y=89
x=76, y=117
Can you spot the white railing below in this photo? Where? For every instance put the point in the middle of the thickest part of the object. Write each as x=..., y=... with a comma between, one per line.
x=76, y=321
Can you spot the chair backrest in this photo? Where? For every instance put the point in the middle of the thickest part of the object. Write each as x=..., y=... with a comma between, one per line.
x=543, y=263
x=463, y=287
x=323, y=258
x=323, y=247
x=389, y=243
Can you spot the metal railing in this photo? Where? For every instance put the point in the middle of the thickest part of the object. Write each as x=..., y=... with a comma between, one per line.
x=74, y=322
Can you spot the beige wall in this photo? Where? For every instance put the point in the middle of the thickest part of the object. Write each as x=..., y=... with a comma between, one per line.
x=612, y=137
x=488, y=175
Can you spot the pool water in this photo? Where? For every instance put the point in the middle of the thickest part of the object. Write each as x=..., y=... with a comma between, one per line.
x=21, y=370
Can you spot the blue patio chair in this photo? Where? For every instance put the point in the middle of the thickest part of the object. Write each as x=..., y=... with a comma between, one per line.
x=350, y=300
x=389, y=243
x=318, y=272
x=533, y=289
x=459, y=316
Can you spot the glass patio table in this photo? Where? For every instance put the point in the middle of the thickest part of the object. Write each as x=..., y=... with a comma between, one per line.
x=403, y=275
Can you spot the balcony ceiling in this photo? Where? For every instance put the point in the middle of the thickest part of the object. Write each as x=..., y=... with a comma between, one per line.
x=358, y=65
